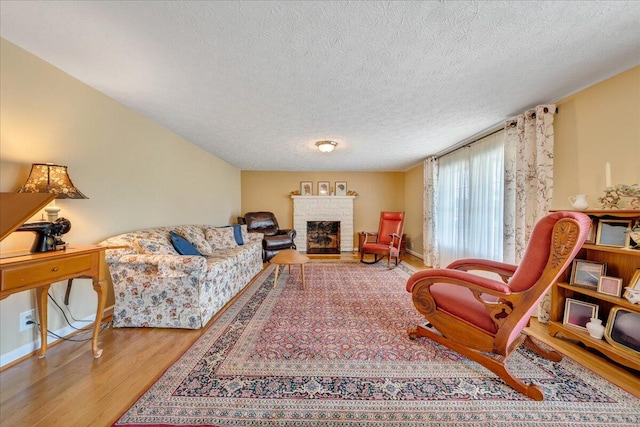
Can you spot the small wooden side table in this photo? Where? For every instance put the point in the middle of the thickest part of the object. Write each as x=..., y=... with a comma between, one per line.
x=289, y=257
x=39, y=270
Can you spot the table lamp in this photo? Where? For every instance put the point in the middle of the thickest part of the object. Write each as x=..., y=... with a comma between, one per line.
x=50, y=178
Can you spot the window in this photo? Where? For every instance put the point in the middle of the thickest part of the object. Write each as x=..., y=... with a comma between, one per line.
x=470, y=201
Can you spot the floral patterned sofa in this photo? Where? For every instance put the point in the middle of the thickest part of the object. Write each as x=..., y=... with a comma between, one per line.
x=154, y=286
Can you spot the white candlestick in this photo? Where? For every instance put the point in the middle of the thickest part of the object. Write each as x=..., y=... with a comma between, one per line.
x=607, y=175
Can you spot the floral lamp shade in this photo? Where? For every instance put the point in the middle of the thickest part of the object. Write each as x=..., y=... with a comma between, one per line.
x=50, y=178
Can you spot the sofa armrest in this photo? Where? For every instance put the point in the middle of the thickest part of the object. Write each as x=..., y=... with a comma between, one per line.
x=113, y=254
x=254, y=237
x=165, y=265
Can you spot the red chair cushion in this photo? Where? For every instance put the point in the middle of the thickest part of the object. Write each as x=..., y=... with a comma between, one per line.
x=375, y=248
x=460, y=302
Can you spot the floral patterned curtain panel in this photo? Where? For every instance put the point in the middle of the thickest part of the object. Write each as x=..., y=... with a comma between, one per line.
x=528, y=176
x=528, y=182
x=430, y=248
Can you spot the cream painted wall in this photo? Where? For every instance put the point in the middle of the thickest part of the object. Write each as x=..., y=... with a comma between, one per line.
x=136, y=173
x=413, y=206
x=596, y=125
x=378, y=191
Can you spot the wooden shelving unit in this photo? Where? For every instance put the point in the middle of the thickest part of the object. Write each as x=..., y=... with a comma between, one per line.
x=621, y=262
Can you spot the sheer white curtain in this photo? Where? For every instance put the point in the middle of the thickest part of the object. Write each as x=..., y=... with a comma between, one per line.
x=469, y=204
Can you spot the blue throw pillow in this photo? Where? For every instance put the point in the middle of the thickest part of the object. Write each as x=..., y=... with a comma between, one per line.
x=182, y=245
x=237, y=234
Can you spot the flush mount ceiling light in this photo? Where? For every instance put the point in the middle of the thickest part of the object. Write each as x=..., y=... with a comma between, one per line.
x=326, y=146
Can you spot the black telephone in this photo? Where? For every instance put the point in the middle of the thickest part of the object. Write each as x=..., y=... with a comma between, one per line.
x=49, y=234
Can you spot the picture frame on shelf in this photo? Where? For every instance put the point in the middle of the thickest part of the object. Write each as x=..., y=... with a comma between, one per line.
x=610, y=286
x=633, y=286
x=614, y=233
x=634, y=283
x=306, y=188
x=623, y=330
x=586, y=274
x=578, y=313
x=323, y=188
x=341, y=188
x=591, y=235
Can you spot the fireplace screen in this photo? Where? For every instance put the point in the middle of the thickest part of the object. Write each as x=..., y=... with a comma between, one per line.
x=323, y=237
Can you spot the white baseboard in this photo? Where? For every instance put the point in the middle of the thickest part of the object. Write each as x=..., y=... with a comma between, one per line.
x=29, y=348
x=416, y=254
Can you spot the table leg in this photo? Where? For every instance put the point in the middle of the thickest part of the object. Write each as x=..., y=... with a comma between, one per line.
x=275, y=278
x=67, y=293
x=42, y=293
x=302, y=269
x=100, y=286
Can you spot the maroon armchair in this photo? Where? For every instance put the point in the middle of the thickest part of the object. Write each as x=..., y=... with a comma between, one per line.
x=483, y=318
x=386, y=242
x=275, y=239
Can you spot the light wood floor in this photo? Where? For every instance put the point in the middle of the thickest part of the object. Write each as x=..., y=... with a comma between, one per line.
x=70, y=388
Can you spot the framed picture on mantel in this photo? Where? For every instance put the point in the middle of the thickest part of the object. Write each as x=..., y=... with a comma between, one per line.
x=341, y=188
x=306, y=188
x=323, y=188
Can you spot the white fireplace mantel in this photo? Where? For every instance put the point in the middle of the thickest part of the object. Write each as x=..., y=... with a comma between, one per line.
x=323, y=208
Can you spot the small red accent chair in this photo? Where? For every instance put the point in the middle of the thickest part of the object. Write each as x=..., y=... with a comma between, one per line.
x=482, y=318
x=386, y=242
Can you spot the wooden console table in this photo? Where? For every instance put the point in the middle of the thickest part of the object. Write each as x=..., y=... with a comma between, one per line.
x=39, y=270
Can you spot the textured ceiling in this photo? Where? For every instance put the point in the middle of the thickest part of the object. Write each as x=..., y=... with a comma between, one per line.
x=257, y=83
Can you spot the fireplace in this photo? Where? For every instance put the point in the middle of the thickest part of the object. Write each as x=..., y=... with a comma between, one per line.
x=323, y=237
x=324, y=208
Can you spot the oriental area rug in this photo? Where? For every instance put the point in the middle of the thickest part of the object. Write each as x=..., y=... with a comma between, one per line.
x=337, y=354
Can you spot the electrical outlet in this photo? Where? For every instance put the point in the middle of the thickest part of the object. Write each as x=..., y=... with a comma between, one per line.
x=25, y=317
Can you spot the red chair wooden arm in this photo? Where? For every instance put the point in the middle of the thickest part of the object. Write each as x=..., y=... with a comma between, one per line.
x=504, y=270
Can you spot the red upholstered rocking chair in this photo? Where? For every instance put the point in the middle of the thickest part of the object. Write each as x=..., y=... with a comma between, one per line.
x=387, y=241
x=483, y=319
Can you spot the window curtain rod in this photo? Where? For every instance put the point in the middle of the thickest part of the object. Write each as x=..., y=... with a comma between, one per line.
x=477, y=137
x=469, y=141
